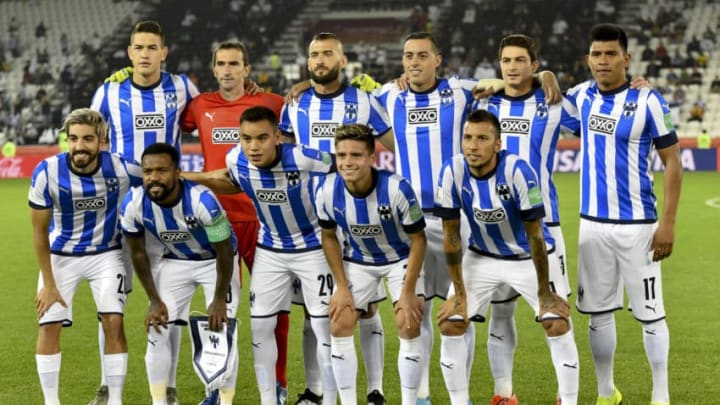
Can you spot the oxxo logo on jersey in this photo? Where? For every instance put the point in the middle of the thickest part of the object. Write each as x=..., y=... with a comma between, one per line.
x=515, y=126
x=323, y=129
x=489, y=216
x=366, y=230
x=225, y=135
x=174, y=236
x=89, y=204
x=422, y=116
x=272, y=196
x=149, y=121
x=601, y=124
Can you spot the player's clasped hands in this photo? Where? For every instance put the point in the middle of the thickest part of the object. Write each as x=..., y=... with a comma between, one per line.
x=217, y=315
x=46, y=297
x=156, y=317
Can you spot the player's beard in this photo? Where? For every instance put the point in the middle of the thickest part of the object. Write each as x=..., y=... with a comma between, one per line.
x=159, y=198
x=82, y=164
x=329, y=77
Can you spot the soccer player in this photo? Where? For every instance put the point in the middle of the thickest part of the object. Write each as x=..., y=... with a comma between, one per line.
x=216, y=117
x=382, y=223
x=199, y=250
x=75, y=200
x=500, y=195
x=312, y=121
x=141, y=112
x=530, y=127
x=277, y=178
x=621, y=241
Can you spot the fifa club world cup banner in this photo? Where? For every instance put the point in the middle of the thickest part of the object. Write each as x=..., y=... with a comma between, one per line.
x=567, y=158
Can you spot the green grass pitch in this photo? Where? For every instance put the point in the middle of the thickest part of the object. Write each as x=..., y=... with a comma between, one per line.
x=691, y=277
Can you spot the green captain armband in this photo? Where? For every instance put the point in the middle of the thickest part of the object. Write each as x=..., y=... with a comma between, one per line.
x=219, y=230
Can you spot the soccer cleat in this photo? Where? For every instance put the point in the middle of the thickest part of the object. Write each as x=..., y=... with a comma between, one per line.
x=281, y=393
x=498, y=400
x=171, y=396
x=308, y=398
x=615, y=399
x=212, y=398
x=101, y=396
x=423, y=401
x=376, y=398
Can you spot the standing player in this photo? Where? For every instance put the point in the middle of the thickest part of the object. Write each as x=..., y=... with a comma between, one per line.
x=312, y=121
x=621, y=241
x=75, y=200
x=509, y=244
x=530, y=128
x=382, y=223
x=199, y=250
x=215, y=115
x=141, y=112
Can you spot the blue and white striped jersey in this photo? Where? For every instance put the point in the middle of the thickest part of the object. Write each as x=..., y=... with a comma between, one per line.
x=180, y=227
x=141, y=116
x=428, y=130
x=314, y=117
x=530, y=128
x=85, y=217
x=495, y=206
x=282, y=195
x=619, y=130
x=376, y=225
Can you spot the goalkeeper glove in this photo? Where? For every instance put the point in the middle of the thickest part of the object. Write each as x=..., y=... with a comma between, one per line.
x=120, y=76
x=365, y=83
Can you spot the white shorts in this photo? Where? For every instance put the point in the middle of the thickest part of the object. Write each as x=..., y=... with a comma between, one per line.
x=277, y=274
x=558, y=275
x=437, y=278
x=611, y=256
x=365, y=279
x=177, y=280
x=483, y=275
x=105, y=272
x=154, y=249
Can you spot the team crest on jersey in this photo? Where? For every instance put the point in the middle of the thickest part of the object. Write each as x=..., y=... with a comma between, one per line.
x=171, y=101
x=541, y=111
x=503, y=191
x=351, y=110
x=629, y=108
x=446, y=96
x=112, y=184
x=191, y=222
x=385, y=212
x=293, y=178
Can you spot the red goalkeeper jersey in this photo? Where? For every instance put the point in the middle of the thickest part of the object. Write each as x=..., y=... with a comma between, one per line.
x=218, y=123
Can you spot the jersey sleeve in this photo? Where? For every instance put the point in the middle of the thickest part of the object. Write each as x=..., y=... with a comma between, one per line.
x=189, y=123
x=39, y=194
x=447, y=200
x=231, y=161
x=660, y=122
x=134, y=172
x=212, y=217
x=527, y=192
x=99, y=102
x=379, y=120
x=323, y=204
x=317, y=162
x=569, y=117
x=409, y=208
x=285, y=124
x=131, y=213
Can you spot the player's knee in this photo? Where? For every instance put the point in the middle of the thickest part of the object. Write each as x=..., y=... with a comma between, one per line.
x=406, y=330
x=344, y=325
x=453, y=327
x=112, y=324
x=556, y=327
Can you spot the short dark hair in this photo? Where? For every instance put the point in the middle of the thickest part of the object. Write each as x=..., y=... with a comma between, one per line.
x=424, y=35
x=609, y=32
x=355, y=132
x=148, y=27
x=521, y=41
x=257, y=114
x=230, y=44
x=485, y=116
x=326, y=36
x=161, y=148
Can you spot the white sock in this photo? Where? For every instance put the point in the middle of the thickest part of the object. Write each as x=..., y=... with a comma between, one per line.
x=656, y=338
x=410, y=362
x=48, y=368
x=157, y=363
x=567, y=366
x=502, y=339
x=427, y=335
x=101, y=347
x=175, y=338
x=115, y=369
x=321, y=327
x=372, y=341
x=344, y=367
x=470, y=344
x=453, y=359
x=603, y=340
x=265, y=357
x=313, y=377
